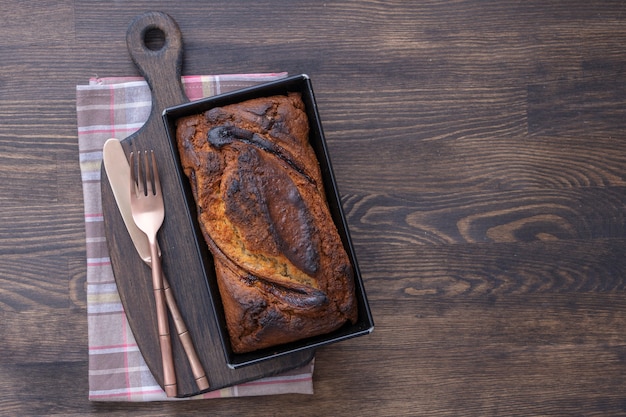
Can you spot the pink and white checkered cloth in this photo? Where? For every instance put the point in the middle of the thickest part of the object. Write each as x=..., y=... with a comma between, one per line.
x=117, y=107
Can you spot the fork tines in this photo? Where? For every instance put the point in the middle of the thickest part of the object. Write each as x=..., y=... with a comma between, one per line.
x=144, y=173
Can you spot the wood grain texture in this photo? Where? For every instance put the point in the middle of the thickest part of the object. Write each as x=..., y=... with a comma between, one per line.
x=479, y=151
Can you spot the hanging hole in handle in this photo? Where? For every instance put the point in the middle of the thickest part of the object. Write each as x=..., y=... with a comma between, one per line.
x=154, y=38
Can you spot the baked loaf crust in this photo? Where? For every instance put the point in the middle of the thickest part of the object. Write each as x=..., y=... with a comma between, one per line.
x=282, y=271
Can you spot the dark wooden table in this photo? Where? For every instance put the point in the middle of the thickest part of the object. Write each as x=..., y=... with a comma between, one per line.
x=480, y=150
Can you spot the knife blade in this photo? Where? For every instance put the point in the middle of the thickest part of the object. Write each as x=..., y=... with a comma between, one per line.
x=118, y=172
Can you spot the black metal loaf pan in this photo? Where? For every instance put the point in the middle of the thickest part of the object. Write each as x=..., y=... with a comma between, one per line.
x=302, y=84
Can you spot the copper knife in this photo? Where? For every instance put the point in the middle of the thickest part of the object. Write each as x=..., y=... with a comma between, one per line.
x=118, y=172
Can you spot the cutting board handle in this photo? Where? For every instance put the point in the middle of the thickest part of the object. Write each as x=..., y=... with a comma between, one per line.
x=160, y=63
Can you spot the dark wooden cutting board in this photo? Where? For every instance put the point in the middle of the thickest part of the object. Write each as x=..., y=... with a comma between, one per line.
x=161, y=66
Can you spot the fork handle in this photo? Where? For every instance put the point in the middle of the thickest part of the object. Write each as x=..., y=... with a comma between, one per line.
x=185, y=337
x=165, y=343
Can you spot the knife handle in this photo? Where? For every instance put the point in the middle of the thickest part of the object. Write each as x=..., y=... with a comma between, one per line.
x=185, y=338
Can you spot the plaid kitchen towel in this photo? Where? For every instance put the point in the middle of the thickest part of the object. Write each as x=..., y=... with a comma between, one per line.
x=117, y=107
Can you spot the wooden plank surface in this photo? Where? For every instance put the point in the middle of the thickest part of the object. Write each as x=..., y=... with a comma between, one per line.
x=479, y=149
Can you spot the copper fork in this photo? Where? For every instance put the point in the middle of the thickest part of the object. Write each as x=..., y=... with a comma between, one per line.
x=146, y=202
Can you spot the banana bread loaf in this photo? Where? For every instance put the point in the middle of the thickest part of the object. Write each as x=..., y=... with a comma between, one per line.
x=282, y=271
